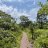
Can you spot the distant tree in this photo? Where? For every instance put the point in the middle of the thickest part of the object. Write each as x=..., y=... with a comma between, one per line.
x=24, y=21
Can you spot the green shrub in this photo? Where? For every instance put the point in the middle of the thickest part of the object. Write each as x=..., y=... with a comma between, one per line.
x=42, y=40
x=7, y=40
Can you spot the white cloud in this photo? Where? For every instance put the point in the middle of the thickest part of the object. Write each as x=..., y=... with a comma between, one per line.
x=8, y=0
x=0, y=1
x=34, y=10
x=13, y=0
x=33, y=13
x=5, y=8
x=15, y=13
x=21, y=1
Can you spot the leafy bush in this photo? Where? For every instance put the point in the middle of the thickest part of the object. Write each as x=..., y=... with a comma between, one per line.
x=42, y=40
x=7, y=40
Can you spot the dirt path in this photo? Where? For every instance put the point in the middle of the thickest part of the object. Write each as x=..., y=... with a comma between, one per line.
x=24, y=42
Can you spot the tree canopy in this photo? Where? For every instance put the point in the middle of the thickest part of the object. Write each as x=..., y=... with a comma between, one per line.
x=25, y=22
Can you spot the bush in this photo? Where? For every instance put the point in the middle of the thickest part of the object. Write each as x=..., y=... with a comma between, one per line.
x=42, y=40
x=7, y=40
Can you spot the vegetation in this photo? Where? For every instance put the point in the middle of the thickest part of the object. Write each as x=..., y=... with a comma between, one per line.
x=11, y=32
x=41, y=34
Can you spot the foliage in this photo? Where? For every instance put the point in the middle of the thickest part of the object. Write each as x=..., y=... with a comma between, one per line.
x=42, y=16
x=10, y=33
x=7, y=40
x=24, y=21
x=42, y=40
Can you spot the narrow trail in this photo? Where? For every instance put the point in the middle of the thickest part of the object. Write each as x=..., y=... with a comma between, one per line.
x=25, y=42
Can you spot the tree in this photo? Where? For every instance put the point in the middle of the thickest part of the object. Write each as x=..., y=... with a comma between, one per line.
x=42, y=16
x=6, y=21
x=41, y=19
x=24, y=21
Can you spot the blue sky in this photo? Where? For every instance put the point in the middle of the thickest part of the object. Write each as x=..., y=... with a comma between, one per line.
x=16, y=8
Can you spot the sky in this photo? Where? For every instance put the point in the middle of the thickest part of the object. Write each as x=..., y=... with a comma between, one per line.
x=16, y=8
